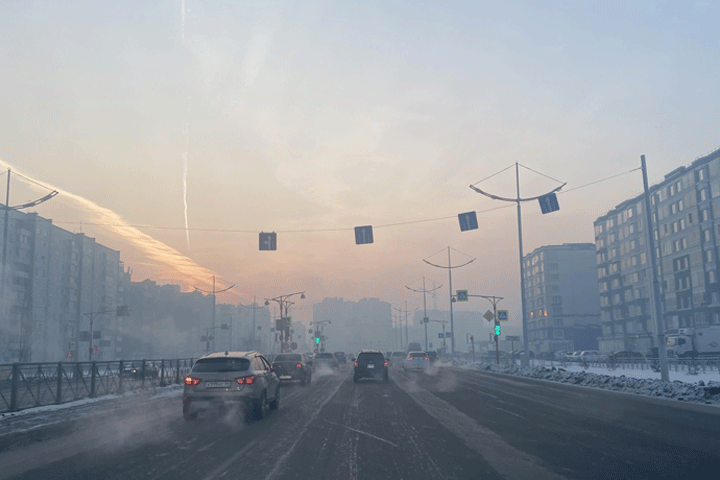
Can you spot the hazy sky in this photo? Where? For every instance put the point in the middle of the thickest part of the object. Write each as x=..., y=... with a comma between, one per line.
x=309, y=118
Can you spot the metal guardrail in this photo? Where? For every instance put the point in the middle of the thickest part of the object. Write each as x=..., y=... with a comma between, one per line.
x=28, y=385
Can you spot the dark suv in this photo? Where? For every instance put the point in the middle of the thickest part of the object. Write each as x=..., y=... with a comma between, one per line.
x=371, y=364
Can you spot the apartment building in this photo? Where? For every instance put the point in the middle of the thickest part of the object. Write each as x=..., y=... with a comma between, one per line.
x=562, y=300
x=685, y=208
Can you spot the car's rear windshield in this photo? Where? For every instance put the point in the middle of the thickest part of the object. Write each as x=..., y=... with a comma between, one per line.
x=367, y=357
x=417, y=354
x=222, y=364
x=324, y=355
x=293, y=357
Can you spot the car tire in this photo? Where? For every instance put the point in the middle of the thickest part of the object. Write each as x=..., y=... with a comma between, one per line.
x=303, y=380
x=355, y=378
x=386, y=378
x=261, y=407
x=275, y=404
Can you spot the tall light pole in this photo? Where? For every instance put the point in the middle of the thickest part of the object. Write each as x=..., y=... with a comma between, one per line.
x=400, y=310
x=424, y=292
x=518, y=200
x=284, y=302
x=254, y=308
x=214, y=292
x=3, y=260
x=662, y=351
x=449, y=269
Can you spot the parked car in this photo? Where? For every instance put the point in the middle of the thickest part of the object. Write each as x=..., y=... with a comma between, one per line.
x=416, y=361
x=626, y=356
x=224, y=379
x=292, y=367
x=590, y=356
x=371, y=364
x=134, y=370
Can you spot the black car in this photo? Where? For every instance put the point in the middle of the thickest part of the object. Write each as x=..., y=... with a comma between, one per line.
x=371, y=364
x=340, y=357
x=292, y=366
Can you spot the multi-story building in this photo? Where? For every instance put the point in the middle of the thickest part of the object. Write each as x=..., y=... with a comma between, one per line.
x=685, y=209
x=355, y=325
x=562, y=301
x=53, y=281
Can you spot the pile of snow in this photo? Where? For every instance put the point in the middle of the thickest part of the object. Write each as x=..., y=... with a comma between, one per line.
x=690, y=392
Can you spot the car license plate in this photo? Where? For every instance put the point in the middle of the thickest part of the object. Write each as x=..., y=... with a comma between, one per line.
x=370, y=365
x=218, y=385
x=285, y=377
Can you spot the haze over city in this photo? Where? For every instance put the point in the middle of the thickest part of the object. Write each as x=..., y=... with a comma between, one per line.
x=176, y=131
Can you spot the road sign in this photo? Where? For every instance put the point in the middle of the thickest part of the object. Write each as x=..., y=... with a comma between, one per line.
x=502, y=316
x=440, y=335
x=489, y=316
x=363, y=235
x=468, y=221
x=462, y=295
x=268, y=241
x=448, y=334
x=549, y=203
x=512, y=338
x=293, y=346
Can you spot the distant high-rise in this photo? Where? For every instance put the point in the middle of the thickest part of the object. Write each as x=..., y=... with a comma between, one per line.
x=562, y=298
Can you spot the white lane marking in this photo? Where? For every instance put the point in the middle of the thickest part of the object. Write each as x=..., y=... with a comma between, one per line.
x=508, y=411
x=360, y=432
x=206, y=447
x=283, y=458
x=353, y=464
x=505, y=459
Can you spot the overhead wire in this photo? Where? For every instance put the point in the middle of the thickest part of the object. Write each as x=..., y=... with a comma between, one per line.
x=338, y=229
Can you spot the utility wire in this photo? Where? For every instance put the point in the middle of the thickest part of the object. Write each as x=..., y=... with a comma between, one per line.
x=31, y=180
x=339, y=229
x=498, y=173
x=601, y=180
x=539, y=173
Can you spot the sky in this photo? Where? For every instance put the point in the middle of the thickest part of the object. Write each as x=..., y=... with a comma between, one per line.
x=176, y=131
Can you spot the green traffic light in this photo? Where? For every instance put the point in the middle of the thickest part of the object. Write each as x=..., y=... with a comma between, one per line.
x=497, y=329
x=317, y=340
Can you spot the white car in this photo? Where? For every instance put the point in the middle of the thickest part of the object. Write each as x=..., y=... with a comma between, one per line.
x=416, y=361
x=590, y=356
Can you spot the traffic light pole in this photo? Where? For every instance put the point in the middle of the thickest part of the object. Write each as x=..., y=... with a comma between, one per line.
x=284, y=302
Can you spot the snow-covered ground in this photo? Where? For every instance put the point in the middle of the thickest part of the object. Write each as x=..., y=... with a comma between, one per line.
x=701, y=388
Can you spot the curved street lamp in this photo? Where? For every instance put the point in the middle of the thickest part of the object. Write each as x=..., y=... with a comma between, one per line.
x=284, y=302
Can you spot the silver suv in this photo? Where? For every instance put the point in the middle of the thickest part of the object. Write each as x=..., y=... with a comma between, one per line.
x=219, y=380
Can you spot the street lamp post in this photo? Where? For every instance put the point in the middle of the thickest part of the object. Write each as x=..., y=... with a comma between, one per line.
x=254, y=308
x=284, y=303
x=518, y=199
x=400, y=310
x=214, y=293
x=449, y=269
x=424, y=292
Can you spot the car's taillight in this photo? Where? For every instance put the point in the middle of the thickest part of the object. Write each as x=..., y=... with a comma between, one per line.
x=191, y=381
x=356, y=364
x=299, y=365
x=410, y=358
x=426, y=358
x=248, y=380
x=386, y=363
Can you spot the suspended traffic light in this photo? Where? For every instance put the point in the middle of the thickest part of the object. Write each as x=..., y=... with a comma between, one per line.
x=497, y=329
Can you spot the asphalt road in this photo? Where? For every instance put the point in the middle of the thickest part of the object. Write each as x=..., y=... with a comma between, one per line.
x=452, y=425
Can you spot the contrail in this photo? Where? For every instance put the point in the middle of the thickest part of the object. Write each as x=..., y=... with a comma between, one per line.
x=176, y=264
x=186, y=141
x=185, y=171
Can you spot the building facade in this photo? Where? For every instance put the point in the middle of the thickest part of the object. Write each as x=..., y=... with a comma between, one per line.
x=53, y=282
x=366, y=324
x=562, y=300
x=685, y=208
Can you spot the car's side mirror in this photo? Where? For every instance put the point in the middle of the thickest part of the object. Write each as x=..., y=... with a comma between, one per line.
x=352, y=359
